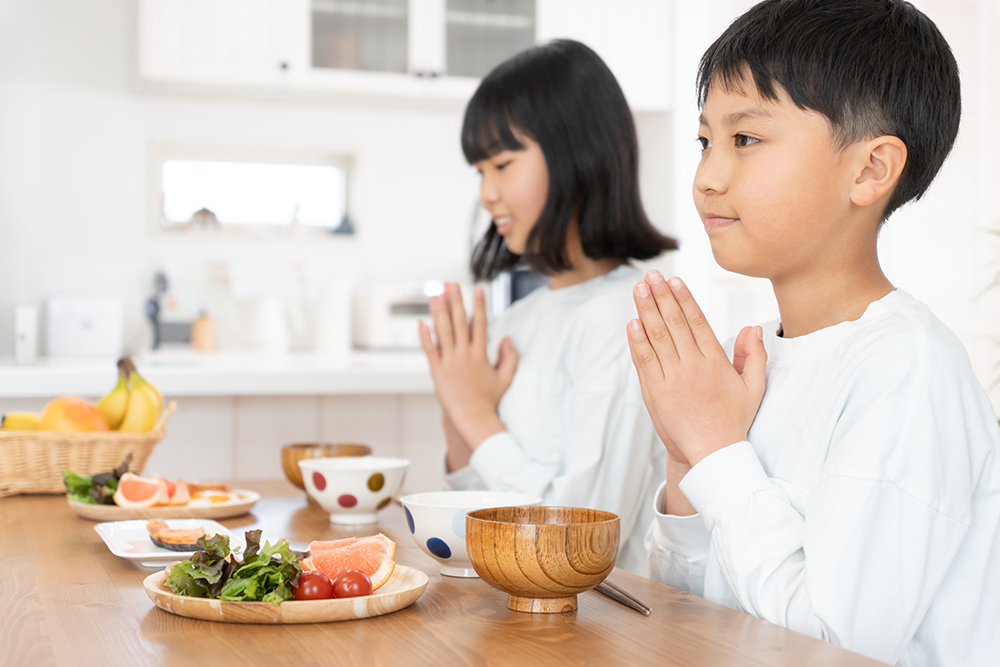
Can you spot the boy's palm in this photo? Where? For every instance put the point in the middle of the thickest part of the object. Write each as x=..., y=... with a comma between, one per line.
x=698, y=400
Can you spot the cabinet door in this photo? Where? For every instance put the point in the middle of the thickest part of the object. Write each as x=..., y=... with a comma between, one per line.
x=211, y=40
x=480, y=34
x=632, y=36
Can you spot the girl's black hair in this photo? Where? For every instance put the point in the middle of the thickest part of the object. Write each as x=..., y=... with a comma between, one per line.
x=872, y=67
x=565, y=98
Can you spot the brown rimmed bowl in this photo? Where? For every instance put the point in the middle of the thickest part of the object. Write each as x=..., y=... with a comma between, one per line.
x=542, y=557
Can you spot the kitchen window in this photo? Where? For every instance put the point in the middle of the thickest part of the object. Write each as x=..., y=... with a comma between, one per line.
x=205, y=193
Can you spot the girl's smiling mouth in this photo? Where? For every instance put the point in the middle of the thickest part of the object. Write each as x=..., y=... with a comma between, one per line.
x=503, y=223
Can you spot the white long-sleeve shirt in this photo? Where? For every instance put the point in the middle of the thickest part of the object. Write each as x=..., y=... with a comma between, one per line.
x=577, y=432
x=864, y=509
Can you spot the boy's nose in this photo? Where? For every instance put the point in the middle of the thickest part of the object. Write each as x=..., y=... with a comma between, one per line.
x=711, y=175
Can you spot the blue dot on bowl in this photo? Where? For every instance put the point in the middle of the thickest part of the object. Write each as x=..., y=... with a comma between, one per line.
x=438, y=548
x=458, y=524
x=409, y=519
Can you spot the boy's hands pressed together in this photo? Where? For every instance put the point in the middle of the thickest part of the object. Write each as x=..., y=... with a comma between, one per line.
x=698, y=400
x=467, y=385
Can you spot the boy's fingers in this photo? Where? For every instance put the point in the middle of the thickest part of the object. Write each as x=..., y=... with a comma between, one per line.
x=739, y=349
x=442, y=324
x=755, y=364
x=459, y=323
x=672, y=313
x=479, y=323
x=643, y=355
x=654, y=330
x=694, y=318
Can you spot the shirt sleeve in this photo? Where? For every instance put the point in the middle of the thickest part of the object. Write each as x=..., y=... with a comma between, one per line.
x=607, y=438
x=856, y=561
x=678, y=548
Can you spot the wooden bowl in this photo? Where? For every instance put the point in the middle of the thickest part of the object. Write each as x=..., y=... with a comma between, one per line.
x=542, y=557
x=292, y=454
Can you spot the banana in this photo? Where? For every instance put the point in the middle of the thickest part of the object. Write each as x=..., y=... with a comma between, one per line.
x=139, y=381
x=142, y=410
x=114, y=405
x=20, y=421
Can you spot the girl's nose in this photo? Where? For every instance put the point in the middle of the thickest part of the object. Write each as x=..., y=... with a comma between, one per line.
x=488, y=190
x=711, y=175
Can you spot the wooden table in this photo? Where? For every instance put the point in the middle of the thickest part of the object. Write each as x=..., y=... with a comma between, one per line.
x=66, y=600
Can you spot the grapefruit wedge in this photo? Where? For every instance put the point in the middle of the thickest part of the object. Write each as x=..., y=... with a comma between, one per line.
x=135, y=491
x=372, y=555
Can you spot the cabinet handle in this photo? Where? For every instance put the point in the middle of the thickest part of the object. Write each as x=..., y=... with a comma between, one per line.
x=283, y=65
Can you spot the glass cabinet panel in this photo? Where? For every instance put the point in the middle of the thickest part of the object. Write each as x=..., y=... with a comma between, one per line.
x=360, y=34
x=483, y=33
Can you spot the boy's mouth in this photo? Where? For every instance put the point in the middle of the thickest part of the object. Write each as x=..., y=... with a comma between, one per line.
x=715, y=221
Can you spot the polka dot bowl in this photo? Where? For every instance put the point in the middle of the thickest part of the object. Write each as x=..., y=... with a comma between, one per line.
x=437, y=522
x=352, y=489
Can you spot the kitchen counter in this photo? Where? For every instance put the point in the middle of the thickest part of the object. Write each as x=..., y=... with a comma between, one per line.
x=66, y=600
x=186, y=373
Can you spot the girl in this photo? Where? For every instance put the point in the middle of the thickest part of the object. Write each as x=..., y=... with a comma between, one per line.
x=560, y=413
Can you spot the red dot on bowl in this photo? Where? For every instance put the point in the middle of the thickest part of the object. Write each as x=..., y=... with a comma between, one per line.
x=319, y=481
x=347, y=500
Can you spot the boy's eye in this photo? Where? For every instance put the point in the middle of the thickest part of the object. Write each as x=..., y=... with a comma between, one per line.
x=705, y=143
x=743, y=140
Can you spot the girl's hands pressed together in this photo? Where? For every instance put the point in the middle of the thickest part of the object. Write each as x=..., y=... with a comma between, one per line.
x=698, y=400
x=468, y=387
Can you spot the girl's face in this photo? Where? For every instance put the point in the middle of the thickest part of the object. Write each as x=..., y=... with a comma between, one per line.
x=514, y=188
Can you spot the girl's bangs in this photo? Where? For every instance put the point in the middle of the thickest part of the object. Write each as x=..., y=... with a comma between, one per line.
x=487, y=130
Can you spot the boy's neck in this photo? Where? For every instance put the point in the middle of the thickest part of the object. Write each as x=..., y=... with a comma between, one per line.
x=828, y=298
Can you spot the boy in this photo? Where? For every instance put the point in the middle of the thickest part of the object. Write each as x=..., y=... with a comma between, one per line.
x=858, y=499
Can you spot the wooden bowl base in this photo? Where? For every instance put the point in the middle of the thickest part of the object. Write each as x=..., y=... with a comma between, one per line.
x=541, y=605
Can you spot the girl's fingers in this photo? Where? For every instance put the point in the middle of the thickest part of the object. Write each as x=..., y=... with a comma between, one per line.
x=459, y=323
x=697, y=324
x=479, y=323
x=442, y=324
x=643, y=355
x=655, y=331
x=672, y=314
x=427, y=343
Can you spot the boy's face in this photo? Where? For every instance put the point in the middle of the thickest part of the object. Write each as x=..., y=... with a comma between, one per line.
x=772, y=188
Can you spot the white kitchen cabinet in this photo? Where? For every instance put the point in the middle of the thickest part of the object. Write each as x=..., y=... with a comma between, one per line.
x=632, y=36
x=403, y=48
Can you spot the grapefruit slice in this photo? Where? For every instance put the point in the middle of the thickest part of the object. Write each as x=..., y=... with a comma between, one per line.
x=372, y=555
x=135, y=491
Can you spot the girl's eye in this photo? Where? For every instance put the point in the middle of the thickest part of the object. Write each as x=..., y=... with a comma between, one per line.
x=742, y=140
x=502, y=165
x=705, y=143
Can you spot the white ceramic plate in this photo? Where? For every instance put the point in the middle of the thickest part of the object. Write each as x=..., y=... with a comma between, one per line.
x=236, y=507
x=130, y=540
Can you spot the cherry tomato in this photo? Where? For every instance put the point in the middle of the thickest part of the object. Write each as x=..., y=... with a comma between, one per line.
x=352, y=584
x=313, y=586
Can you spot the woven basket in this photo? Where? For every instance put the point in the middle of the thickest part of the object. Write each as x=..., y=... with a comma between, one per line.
x=32, y=461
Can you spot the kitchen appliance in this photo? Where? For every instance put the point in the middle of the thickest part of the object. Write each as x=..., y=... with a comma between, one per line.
x=84, y=326
x=25, y=334
x=386, y=315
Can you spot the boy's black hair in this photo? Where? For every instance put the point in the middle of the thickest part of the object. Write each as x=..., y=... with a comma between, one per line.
x=872, y=67
x=564, y=97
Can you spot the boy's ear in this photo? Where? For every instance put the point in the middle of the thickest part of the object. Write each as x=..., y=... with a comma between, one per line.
x=881, y=162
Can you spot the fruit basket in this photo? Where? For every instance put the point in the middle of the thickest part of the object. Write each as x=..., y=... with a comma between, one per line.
x=31, y=461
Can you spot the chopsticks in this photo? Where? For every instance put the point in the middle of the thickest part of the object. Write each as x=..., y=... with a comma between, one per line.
x=618, y=595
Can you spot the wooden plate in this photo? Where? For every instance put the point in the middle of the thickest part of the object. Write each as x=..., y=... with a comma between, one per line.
x=403, y=588
x=237, y=507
